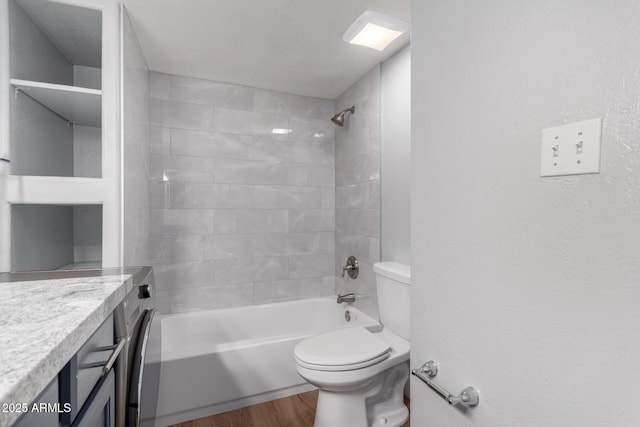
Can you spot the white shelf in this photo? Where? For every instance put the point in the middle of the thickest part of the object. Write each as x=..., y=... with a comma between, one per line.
x=53, y=190
x=79, y=105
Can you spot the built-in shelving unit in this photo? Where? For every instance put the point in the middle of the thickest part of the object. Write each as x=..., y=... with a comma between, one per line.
x=55, y=188
x=60, y=133
x=77, y=105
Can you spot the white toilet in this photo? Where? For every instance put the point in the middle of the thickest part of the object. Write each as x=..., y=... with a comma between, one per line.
x=361, y=375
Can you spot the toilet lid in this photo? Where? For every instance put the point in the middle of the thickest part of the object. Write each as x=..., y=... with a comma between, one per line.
x=342, y=349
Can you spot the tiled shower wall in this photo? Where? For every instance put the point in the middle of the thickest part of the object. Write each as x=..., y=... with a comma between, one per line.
x=358, y=189
x=239, y=215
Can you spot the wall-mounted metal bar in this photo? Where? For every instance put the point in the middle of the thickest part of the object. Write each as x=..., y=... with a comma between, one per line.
x=468, y=397
x=2, y=159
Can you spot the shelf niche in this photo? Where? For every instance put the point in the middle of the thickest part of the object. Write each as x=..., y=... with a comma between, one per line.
x=50, y=237
x=55, y=68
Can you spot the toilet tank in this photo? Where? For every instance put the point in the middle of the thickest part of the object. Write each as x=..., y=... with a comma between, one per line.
x=394, y=296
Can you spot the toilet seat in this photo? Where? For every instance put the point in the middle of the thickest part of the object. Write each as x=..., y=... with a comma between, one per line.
x=341, y=350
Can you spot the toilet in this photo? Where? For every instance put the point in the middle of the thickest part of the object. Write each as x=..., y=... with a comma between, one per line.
x=361, y=375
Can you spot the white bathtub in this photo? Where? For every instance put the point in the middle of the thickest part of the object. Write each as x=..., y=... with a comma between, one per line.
x=219, y=360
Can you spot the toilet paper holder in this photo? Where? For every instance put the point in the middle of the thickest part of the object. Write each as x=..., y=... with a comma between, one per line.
x=468, y=397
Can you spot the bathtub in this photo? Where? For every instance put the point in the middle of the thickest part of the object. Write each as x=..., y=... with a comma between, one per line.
x=219, y=360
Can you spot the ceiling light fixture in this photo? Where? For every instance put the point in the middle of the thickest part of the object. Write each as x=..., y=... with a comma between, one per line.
x=375, y=30
x=280, y=131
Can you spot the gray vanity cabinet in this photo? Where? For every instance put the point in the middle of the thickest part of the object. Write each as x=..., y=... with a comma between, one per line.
x=89, y=393
x=46, y=417
x=80, y=395
x=100, y=410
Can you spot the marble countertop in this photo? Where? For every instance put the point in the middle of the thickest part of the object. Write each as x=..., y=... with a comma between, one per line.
x=43, y=323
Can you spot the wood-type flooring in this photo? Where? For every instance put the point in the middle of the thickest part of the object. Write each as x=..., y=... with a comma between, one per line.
x=293, y=411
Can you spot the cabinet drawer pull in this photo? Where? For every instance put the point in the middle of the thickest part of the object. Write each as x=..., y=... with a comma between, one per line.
x=106, y=366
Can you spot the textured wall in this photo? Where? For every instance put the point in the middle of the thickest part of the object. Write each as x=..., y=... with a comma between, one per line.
x=136, y=149
x=239, y=215
x=358, y=189
x=395, y=157
x=525, y=287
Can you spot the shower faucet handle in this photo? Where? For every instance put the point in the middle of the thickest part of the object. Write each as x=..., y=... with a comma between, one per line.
x=352, y=267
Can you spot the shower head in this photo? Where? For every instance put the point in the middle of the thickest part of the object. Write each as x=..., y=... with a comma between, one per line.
x=338, y=119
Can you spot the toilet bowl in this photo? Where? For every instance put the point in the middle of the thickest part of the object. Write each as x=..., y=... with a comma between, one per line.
x=361, y=375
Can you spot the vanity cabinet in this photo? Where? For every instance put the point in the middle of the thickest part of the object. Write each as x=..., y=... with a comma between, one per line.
x=50, y=399
x=82, y=384
x=81, y=394
x=100, y=411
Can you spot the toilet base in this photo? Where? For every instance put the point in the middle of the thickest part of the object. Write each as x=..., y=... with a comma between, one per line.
x=380, y=402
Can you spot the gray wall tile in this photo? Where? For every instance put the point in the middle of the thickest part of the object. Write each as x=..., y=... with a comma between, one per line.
x=211, y=196
x=361, y=169
x=293, y=243
x=239, y=215
x=159, y=140
x=314, y=265
x=251, y=221
x=363, y=222
x=285, y=290
x=251, y=270
x=159, y=195
x=213, y=297
x=181, y=221
x=227, y=246
x=272, y=148
x=178, y=276
x=357, y=196
x=206, y=92
x=312, y=220
x=328, y=286
x=248, y=122
x=266, y=101
x=180, y=168
x=175, y=248
x=159, y=85
x=210, y=144
x=311, y=129
x=181, y=115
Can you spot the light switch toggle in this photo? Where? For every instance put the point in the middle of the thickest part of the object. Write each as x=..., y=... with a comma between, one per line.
x=571, y=149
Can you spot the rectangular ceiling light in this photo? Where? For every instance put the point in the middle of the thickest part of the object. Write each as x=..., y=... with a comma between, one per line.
x=375, y=30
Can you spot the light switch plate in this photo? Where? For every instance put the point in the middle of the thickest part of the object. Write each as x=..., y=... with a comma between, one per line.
x=571, y=149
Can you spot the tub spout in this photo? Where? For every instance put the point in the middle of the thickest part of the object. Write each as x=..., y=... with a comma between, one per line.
x=350, y=297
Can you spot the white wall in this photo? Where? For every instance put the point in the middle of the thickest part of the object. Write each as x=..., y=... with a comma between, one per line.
x=395, y=157
x=135, y=138
x=525, y=287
